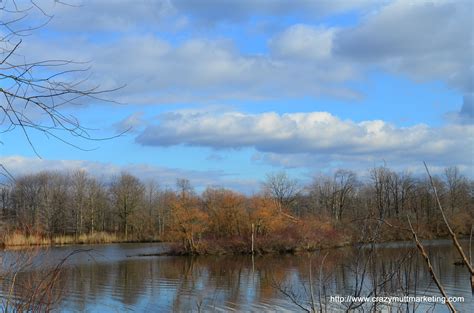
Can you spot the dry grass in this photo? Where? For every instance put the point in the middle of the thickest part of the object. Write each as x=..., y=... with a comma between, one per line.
x=20, y=240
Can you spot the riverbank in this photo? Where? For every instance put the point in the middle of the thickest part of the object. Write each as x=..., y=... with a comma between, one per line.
x=18, y=240
x=284, y=242
x=204, y=247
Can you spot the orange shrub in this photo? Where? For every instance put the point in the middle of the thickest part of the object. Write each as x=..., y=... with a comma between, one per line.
x=266, y=216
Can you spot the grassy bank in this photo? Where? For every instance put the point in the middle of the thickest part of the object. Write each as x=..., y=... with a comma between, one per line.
x=21, y=240
x=275, y=234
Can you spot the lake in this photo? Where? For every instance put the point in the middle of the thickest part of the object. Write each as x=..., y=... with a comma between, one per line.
x=115, y=278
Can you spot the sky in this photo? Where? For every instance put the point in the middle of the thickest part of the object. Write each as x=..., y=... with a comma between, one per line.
x=225, y=92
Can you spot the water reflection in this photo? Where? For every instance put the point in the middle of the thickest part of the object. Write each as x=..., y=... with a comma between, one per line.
x=114, y=278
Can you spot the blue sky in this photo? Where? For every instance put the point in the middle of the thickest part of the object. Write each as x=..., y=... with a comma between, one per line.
x=223, y=92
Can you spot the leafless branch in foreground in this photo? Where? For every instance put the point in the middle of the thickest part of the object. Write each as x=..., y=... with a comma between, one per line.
x=430, y=267
x=35, y=94
x=450, y=230
x=31, y=288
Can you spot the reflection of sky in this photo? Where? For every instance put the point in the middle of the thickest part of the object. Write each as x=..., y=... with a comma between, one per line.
x=118, y=282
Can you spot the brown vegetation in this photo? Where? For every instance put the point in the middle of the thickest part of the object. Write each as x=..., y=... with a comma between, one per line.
x=17, y=239
x=61, y=208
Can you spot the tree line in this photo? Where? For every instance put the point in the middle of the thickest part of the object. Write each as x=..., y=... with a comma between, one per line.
x=331, y=206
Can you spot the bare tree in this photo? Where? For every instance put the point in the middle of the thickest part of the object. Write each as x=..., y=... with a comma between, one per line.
x=345, y=182
x=333, y=194
x=184, y=187
x=97, y=206
x=456, y=185
x=381, y=183
x=79, y=183
x=152, y=191
x=128, y=194
x=55, y=197
x=281, y=188
x=26, y=202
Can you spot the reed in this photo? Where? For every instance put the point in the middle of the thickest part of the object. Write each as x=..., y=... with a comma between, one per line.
x=18, y=239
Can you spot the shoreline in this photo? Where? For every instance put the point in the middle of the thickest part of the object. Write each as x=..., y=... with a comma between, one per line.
x=20, y=241
x=176, y=250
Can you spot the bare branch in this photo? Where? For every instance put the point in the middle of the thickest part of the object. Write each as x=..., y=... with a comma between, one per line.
x=430, y=267
x=451, y=232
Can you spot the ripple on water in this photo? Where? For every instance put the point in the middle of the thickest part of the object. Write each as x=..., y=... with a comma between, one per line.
x=111, y=281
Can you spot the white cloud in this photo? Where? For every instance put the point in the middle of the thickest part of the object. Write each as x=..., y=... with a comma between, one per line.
x=304, y=42
x=316, y=134
x=424, y=40
x=200, y=70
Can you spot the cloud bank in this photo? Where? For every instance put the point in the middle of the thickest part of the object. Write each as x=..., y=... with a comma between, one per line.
x=317, y=133
x=164, y=176
x=423, y=40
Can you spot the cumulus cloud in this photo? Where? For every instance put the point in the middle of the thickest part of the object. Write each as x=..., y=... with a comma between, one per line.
x=201, y=70
x=304, y=42
x=427, y=40
x=166, y=177
x=314, y=133
x=424, y=40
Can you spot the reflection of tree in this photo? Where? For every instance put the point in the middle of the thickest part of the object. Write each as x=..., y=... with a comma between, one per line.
x=131, y=277
x=363, y=272
x=229, y=282
x=87, y=281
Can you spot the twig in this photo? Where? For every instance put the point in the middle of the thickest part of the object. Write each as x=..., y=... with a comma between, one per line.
x=430, y=267
x=321, y=285
x=470, y=245
x=313, y=305
x=451, y=232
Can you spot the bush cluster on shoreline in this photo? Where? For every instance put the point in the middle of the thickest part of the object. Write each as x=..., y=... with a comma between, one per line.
x=52, y=208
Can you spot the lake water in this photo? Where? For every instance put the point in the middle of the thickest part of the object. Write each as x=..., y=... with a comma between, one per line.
x=114, y=278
